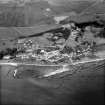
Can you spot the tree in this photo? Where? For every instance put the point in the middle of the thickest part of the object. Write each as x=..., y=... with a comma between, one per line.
x=102, y=33
x=67, y=50
x=1, y=54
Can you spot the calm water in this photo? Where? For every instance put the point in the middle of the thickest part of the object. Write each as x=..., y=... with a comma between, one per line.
x=84, y=86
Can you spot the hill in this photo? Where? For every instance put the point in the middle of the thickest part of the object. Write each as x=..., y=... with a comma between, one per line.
x=33, y=13
x=9, y=35
x=96, y=11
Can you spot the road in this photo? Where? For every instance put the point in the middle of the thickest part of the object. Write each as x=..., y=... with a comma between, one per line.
x=85, y=86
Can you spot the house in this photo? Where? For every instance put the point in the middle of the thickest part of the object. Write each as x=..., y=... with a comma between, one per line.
x=6, y=57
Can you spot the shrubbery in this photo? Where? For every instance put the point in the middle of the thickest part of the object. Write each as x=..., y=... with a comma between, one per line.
x=8, y=51
x=102, y=33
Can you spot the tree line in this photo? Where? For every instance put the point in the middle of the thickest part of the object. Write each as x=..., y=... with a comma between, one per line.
x=8, y=51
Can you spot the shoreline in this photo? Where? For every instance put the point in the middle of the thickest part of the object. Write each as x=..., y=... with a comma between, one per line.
x=75, y=63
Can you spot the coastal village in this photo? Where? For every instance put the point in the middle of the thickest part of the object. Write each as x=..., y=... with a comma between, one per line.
x=56, y=47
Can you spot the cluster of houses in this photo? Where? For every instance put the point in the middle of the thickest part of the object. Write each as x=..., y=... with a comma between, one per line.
x=30, y=49
x=50, y=44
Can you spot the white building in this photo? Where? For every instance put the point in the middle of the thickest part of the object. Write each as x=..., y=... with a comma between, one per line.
x=7, y=57
x=64, y=16
x=60, y=18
